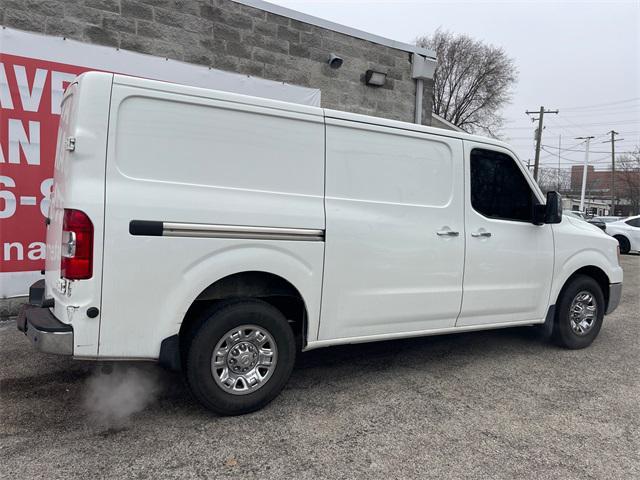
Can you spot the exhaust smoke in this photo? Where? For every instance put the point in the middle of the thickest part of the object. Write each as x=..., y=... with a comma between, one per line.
x=112, y=398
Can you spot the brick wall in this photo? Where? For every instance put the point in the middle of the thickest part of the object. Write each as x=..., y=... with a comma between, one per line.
x=229, y=36
x=599, y=181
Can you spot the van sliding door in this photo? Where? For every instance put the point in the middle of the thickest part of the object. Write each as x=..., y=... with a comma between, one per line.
x=395, y=231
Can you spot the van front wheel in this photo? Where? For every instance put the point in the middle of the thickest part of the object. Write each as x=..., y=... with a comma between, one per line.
x=580, y=313
x=240, y=356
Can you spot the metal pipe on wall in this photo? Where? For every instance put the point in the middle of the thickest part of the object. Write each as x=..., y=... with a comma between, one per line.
x=422, y=68
x=419, y=94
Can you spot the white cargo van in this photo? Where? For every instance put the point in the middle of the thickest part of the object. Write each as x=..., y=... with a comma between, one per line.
x=221, y=234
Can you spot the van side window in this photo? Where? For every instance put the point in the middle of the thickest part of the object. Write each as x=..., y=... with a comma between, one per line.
x=498, y=188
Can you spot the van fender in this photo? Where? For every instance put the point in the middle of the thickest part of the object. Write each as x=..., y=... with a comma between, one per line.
x=300, y=264
x=569, y=266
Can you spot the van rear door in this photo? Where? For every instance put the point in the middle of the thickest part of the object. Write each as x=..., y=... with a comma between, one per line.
x=78, y=193
x=56, y=208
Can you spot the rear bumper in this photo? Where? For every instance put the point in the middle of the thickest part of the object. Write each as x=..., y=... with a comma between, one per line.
x=615, y=292
x=46, y=332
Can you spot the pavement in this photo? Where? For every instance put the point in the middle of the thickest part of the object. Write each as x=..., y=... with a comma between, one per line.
x=500, y=404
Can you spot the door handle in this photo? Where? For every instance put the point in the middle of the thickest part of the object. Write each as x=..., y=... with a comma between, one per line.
x=447, y=233
x=481, y=234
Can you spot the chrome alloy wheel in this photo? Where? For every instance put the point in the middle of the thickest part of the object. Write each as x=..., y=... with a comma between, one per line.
x=244, y=359
x=583, y=312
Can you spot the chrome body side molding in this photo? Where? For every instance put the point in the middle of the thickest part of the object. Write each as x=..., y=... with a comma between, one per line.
x=206, y=230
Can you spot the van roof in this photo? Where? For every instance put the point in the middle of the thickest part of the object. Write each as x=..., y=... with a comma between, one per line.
x=414, y=127
x=291, y=107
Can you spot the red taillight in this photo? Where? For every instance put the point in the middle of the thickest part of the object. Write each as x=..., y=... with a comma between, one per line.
x=77, y=246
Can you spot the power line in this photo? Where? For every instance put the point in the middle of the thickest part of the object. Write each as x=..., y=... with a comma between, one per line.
x=634, y=142
x=637, y=132
x=554, y=164
x=617, y=122
x=592, y=151
x=599, y=166
x=602, y=113
x=571, y=128
x=595, y=105
x=570, y=160
x=550, y=154
x=516, y=128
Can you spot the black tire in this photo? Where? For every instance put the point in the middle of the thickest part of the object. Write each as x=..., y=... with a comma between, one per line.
x=215, y=323
x=625, y=245
x=563, y=333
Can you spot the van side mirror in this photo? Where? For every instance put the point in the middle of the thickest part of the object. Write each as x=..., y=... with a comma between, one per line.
x=549, y=213
x=553, y=213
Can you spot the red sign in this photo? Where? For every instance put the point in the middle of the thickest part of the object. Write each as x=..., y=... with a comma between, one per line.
x=30, y=94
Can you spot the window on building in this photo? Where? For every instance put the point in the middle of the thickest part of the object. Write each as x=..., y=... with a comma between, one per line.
x=498, y=188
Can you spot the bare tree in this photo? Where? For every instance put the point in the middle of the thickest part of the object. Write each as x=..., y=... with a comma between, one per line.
x=472, y=81
x=628, y=179
x=564, y=180
x=550, y=178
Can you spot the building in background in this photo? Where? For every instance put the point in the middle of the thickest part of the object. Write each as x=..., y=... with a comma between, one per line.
x=598, y=190
x=250, y=37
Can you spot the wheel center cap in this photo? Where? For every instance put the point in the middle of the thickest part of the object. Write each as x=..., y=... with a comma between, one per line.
x=242, y=357
x=245, y=359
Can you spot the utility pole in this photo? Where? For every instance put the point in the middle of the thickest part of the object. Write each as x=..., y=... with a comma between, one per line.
x=559, y=150
x=584, y=170
x=613, y=168
x=538, y=137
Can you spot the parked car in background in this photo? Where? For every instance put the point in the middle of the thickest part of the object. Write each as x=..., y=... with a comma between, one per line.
x=598, y=223
x=608, y=219
x=627, y=232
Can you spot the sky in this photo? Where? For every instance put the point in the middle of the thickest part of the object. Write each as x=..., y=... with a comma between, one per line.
x=579, y=57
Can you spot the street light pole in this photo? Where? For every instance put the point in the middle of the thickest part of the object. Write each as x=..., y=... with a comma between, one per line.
x=584, y=170
x=559, y=150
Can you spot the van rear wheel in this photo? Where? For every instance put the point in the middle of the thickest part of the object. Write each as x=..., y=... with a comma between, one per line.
x=240, y=356
x=580, y=313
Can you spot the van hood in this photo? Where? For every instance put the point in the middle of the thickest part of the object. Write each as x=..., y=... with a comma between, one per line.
x=578, y=239
x=582, y=225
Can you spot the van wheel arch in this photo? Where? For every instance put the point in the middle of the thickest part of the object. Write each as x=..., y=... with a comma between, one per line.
x=265, y=286
x=590, y=271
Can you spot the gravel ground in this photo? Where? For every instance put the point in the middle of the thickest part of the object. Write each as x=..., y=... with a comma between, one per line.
x=498, y=404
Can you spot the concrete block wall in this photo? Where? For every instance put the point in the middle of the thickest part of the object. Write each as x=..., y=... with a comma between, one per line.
x=230, y=36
